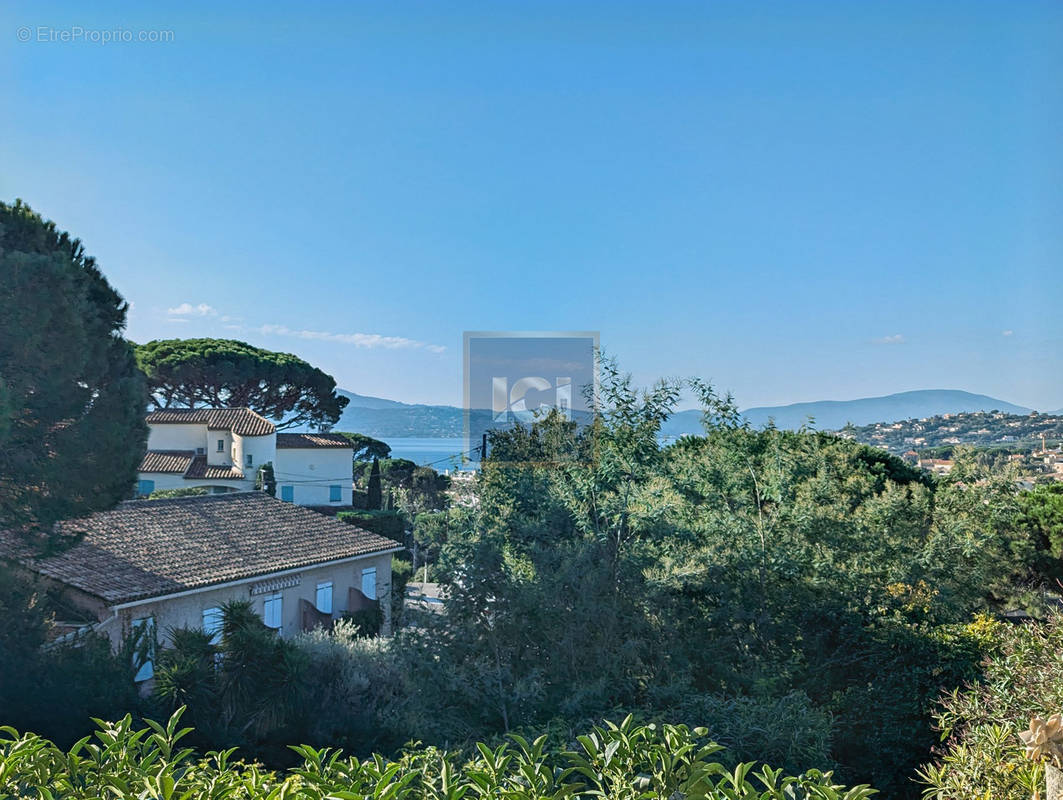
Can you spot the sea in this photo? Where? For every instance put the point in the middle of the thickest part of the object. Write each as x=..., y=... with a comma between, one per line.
x=445, y=454
x=441, y=454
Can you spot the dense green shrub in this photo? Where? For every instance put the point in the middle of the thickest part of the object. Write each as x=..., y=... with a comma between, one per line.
x=56, y=687
x=982, y=755
x=364, y=697
x=391, y=524
x=622, y=762
x=789, y=731
x=1041, y=513
x=401, y=575
x=368, y=621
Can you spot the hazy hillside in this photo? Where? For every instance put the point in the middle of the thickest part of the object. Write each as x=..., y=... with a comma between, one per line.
x=365, y=401
x=835, y=414
x=377, y=416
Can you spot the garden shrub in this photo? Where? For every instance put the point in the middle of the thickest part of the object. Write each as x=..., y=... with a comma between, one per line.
x=391, y=524
x=982, y=755
x=624, y=762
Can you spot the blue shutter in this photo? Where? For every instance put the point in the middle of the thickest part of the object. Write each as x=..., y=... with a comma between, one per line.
x=288, y=494
x=145, y=487
x=335, y=494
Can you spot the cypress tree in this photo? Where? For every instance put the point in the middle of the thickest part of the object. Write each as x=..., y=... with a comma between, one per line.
x=374, y=493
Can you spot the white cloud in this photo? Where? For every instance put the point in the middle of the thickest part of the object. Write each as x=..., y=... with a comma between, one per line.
x=189, y=310
x=897, y=338
x=1007, y=333
x=186, y=311
x=362, y=340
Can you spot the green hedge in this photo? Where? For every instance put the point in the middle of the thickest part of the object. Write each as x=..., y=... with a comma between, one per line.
x=625, y=762
x=386, y=523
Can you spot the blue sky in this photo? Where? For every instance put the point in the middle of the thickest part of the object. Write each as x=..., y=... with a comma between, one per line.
x=797, y=201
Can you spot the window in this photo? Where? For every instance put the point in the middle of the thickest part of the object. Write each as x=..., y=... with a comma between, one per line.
x=212, y=622
x=143, y=630
x=288, y=494
x=248, y=460
x=272, y=608
x=145, y=487
x=324, y=597
x=335, y=494
x=221, y=445
x=200, y=451
x=369, y=582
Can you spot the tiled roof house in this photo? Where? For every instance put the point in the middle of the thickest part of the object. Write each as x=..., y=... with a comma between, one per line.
x=222, y=449
x=175, y=563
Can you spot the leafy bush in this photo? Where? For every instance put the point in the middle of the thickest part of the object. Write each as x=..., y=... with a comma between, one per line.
x=362, y=692
x=367, y=621
x=623, y=762
x=401, y=575
x=391, y=524
x=1042, y=515
x=55, y=688
x=788, y=731
x=1023, y=676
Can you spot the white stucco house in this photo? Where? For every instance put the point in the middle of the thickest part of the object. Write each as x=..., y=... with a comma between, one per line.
x=175, y=563
x=222, y=449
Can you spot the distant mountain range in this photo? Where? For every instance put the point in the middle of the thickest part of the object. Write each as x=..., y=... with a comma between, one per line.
x=376, y=416
x=383, y=419
x=835, y=414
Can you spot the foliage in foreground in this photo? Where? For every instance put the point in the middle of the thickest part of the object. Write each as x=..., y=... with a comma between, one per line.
x=54, y=689
x=1023, y=677
x=623, y=762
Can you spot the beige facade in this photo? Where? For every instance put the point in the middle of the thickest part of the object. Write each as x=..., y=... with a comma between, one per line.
x=193, y=609
x=185, y=610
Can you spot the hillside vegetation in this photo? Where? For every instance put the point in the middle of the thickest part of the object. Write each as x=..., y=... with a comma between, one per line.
x=804, y=598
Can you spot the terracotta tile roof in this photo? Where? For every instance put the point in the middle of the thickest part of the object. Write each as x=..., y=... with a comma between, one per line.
x=242, y=421
x=179, y=416
x=166, y=461
x=201, y=469
x=150, y=548
x=294, y=441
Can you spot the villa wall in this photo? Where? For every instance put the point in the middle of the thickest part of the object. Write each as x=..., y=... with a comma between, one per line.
x=176, y=437
x=311, y=471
